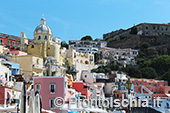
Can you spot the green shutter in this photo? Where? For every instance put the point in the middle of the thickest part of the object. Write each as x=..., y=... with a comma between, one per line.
x=17, y=44
x=9, y=42
x=13, y=43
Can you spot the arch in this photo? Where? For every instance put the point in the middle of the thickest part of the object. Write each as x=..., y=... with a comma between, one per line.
x=39, y=37
x=45, y=37
x=86, y=62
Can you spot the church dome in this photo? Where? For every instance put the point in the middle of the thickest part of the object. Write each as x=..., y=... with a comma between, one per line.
x=43, y=28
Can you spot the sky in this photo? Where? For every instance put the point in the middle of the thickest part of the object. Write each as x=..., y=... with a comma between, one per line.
x=73, y=19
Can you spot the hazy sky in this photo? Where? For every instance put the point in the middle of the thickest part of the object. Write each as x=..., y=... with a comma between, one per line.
x=72, y=19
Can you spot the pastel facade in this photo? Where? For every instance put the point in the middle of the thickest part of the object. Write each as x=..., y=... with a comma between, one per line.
x=5, y=93
x=88, y=77
x=30, y=65
x=83, y=58
x=83, y=46
x=79, y=67
x=50, y=88
x=83, y=88
x=10, y=41
x=122, y=56
x=18, y=53
x=5, y=75
x=158, y=88
x=43, y=44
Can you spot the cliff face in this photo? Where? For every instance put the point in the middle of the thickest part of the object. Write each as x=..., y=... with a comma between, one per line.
x=136, y=41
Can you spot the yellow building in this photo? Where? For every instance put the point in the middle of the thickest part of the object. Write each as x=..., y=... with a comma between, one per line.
x=30, y=65
x=83, y=58
x=44, y=44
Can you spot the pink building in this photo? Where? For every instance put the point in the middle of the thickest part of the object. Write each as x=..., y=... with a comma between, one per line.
x=18, y=53
x=50, y=88
x=5, y=94
x=159, y=87
x=83, y=88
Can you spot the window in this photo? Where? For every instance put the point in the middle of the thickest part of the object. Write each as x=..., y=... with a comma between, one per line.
x=1, y=41
x=39, y=37
x=169, y=92
x=17, y=44
x=32, y=46
x=6, y=76
x=45, y=38
x=52, y=88
x=52, y=103
x=146, y=27
x=149, y=84
x=37, y=61
x=37, y=87
x=9, y=78
x=13, y=43
x=8, y=42
x=136, y=84
x=140, y=84
x=94, y=76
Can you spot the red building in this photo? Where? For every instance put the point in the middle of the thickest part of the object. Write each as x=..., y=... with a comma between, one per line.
x=159, y=88
x=5, y=94
x=10, y=41
x=83, y=88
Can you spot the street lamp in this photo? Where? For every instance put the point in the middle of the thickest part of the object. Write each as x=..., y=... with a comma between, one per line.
x=128, y=86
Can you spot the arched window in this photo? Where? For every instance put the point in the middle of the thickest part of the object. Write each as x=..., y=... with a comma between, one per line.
x=39, y=37
x=32, y=46
x=45, y=38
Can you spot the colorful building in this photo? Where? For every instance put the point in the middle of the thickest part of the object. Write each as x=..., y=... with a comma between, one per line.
x=51, y=88
x=157, y=88
x=83, y=88
x=10, y=41
x=30, y=65
x=43, y=44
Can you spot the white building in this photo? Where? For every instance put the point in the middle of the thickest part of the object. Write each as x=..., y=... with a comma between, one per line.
x=86, y=46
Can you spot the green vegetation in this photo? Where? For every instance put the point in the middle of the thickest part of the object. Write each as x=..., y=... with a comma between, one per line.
x=87, y=37
x=64, y=44
x=106, y=69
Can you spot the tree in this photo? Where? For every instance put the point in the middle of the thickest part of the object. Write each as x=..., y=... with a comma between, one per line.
x=145, y=45
x=166, y=76
x=64, y=44
x=148, y=72
x=87, y=37
x=161, y=64
x=133, y=71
